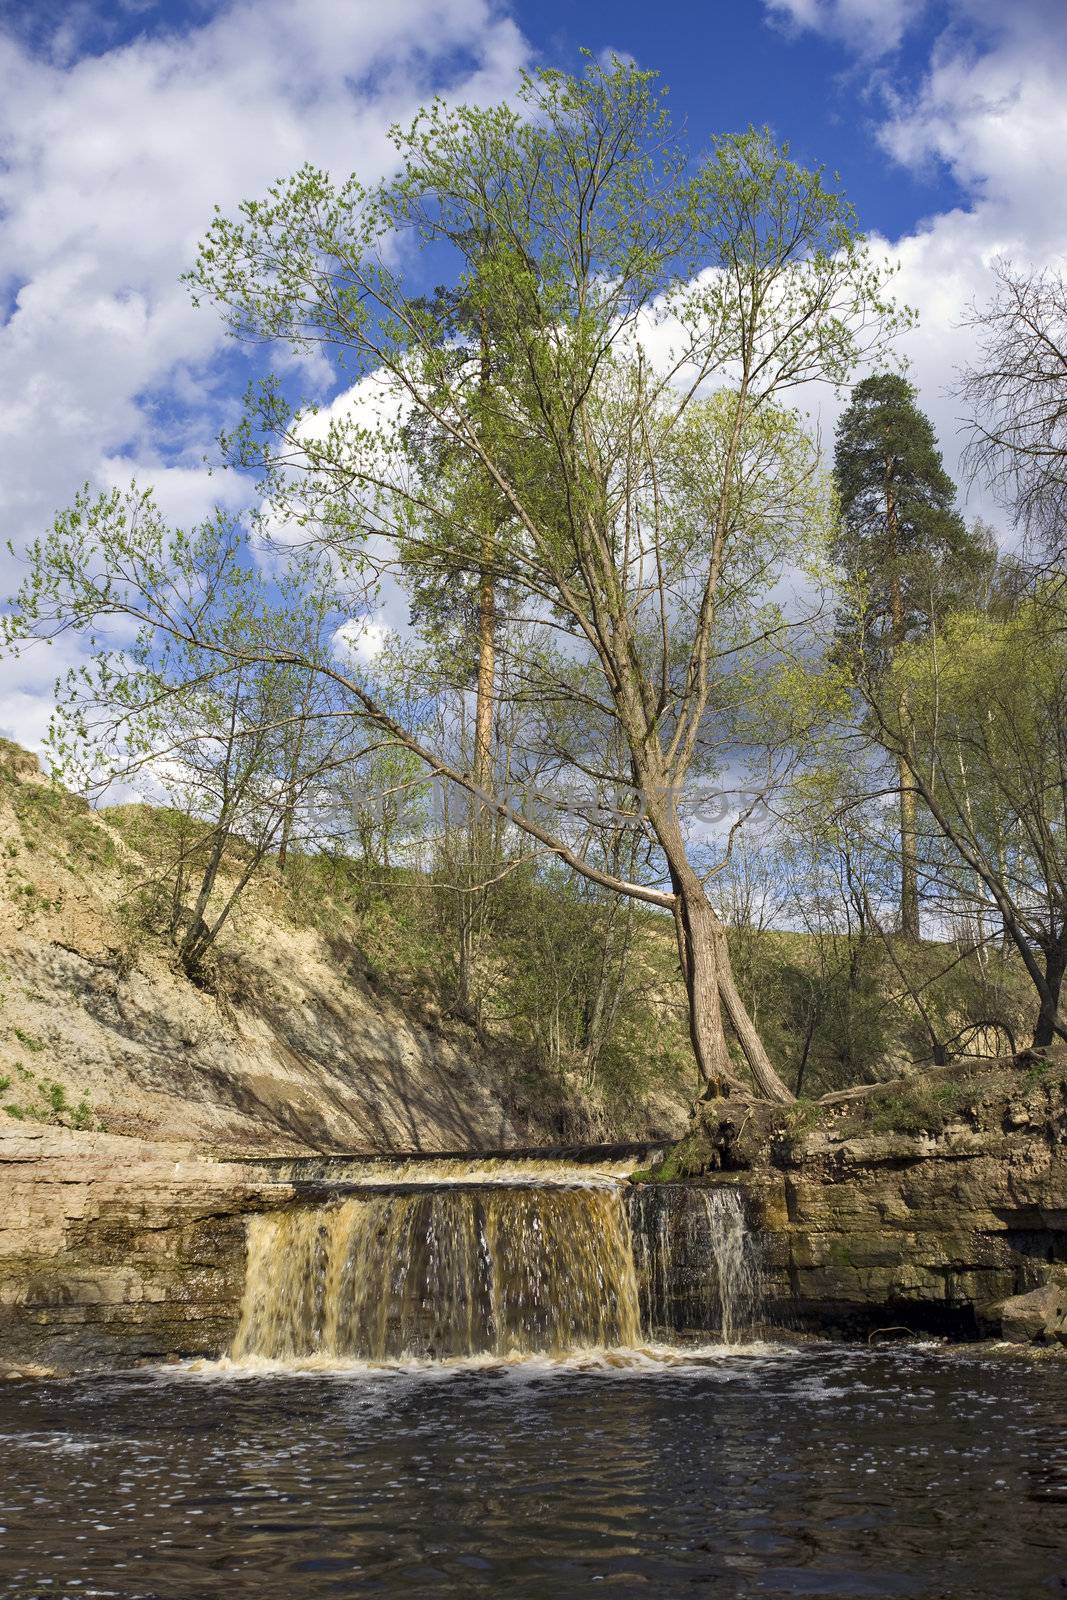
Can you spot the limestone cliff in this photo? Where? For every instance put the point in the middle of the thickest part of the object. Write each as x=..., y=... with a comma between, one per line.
x=922, y=1204
x=299, y=1044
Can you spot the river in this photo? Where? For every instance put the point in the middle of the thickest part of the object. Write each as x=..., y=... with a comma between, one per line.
x=923, y=1472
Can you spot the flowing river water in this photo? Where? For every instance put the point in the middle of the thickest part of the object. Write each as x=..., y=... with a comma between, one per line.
x=454, y=1383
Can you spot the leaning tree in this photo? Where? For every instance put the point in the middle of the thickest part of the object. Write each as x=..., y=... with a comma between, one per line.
x=987, y=699
x=637, y=520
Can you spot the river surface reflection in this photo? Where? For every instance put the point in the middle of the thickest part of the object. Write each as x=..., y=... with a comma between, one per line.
x=921, y=1473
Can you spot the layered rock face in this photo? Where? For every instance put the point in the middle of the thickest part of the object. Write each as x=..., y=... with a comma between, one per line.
x=115, y=1250
x=864, y=1229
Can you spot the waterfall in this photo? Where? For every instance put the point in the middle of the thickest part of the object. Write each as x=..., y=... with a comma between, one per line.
x=445, y=1271
x=499, y=1264
x=697, y=1261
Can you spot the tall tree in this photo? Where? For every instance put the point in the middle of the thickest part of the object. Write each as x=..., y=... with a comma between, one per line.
x=645, y=523
x=901, y=539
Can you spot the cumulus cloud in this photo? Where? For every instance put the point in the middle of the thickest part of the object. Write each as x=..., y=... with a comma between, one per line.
x=110, y=164
x=362, y=639
x=112, y=156
x=872, y=28
x=991, y=109
x=988, y=107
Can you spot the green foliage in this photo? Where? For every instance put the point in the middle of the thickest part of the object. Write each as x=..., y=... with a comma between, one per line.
x=903, y=545
x=843, y=1005
x=917, y=1105
x=556, y=1001
x=45, y=1099
x=54, y=826
x=801, y=1117
x=987, y=707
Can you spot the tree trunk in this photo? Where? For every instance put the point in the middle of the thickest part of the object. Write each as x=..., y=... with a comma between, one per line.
x=483, y=715
x=479, y=843
x=197, y=937
x=909, y=856
x=287, y=832
x=1048, y=1016
x=699, y=946
x=709, y=982
x=759, y=1062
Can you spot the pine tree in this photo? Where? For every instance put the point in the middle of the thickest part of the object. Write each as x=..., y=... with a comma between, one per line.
x=904, y=548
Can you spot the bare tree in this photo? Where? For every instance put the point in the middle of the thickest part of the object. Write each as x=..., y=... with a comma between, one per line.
x=1016, y=392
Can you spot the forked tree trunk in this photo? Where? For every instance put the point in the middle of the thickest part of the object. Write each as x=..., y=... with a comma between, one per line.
x=1048, y=1017
x=711, y=989
x=698, y=952
x=759, y=1062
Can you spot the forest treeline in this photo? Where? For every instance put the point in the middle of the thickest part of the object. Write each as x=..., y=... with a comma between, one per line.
x=658, y=672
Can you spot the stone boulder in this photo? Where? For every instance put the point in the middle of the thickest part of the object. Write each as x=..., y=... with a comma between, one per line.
x=1036, y=1318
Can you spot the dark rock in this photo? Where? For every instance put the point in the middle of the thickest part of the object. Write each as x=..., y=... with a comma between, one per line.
x=864, y=1226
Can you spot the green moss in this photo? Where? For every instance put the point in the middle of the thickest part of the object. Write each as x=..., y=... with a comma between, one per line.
x=669, y=1170
x=839, y=1252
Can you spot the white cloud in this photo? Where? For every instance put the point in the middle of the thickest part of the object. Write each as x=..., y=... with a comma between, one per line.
x=989, y=108
x=27, y=698
x=109, y=169
x=871, y=28
x=997, y=118
x=995, y=115
x=362, y=639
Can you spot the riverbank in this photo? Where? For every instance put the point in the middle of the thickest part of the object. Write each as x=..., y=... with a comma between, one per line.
x=921, y=1204
x=116, y=1251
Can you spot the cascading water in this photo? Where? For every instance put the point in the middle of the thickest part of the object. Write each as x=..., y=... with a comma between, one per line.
x=451, y=1268
x=697, y=1261
x=445, y=1272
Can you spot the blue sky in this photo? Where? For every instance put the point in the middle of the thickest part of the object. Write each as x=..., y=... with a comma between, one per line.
x=731, y=64
x=122, y=124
